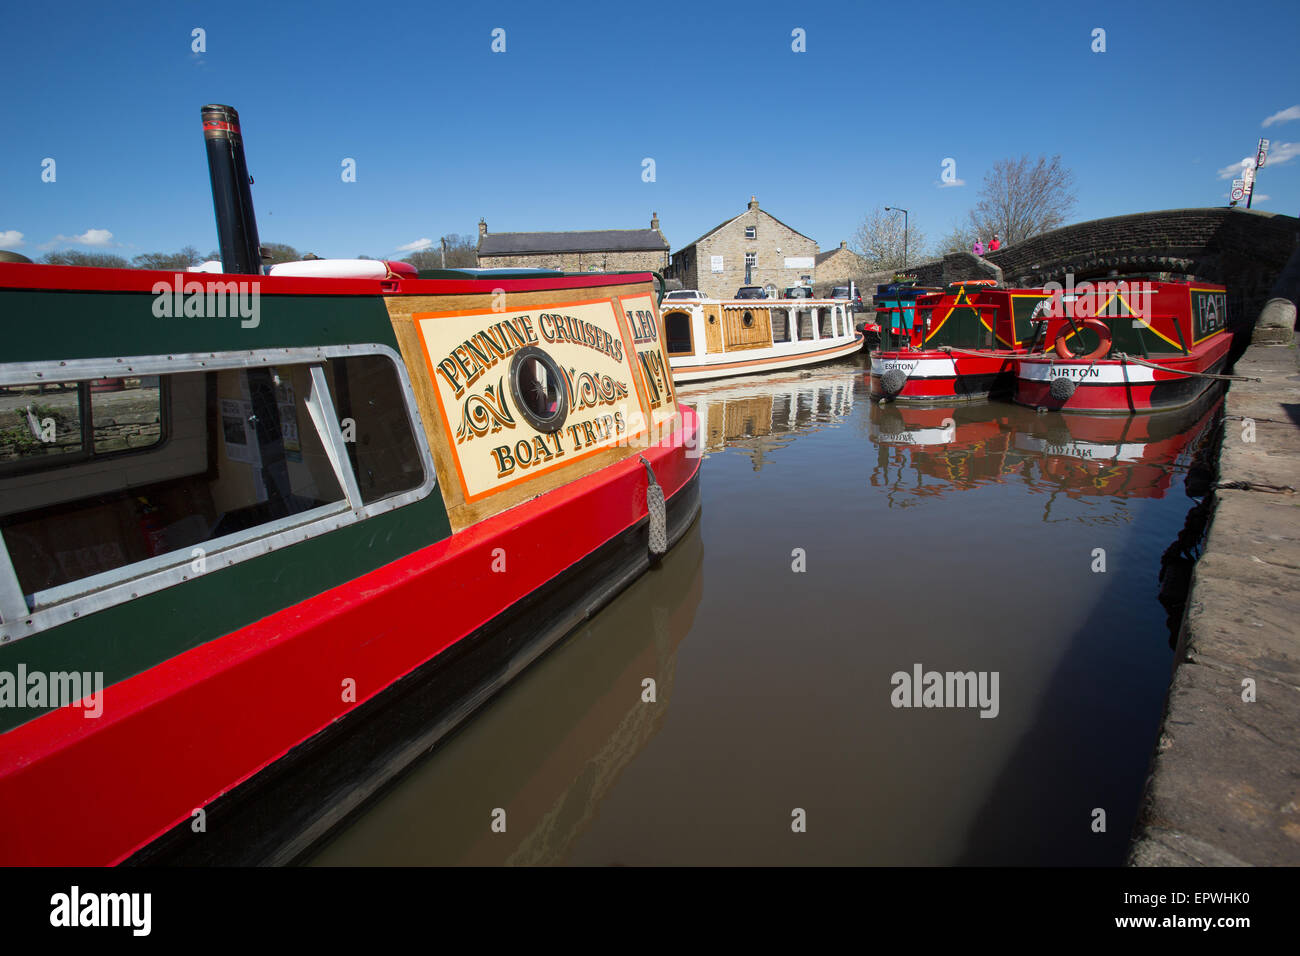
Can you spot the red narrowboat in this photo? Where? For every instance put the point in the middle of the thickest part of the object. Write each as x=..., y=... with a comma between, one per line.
x=328, y=513
x=1130, y=345
x=959, y=345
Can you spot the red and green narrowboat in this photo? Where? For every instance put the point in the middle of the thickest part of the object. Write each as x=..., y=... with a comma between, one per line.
x=324, y=518
x=958, y=345
x=1131, y=345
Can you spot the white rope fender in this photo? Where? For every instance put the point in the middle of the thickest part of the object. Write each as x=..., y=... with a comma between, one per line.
x=656, y=511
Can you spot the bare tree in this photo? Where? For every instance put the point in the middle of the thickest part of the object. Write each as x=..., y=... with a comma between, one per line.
x=961, y=238
x=879, y=241
x=1021, y=198
x=188, y=256
x=462, y=252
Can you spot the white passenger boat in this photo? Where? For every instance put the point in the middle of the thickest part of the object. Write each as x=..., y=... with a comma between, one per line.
x=713, y=338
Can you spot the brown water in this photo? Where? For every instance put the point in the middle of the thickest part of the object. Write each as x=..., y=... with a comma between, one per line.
x=961, y=545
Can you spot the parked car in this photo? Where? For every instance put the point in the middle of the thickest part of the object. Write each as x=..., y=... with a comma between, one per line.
x=855, y=300
x=693, y=294
x=751, y=292
x=798, y=292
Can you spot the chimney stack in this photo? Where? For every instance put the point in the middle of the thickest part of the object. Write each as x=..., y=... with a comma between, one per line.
x=654, y=221
x=482, y=228
x=843, y=244
x=753, y=203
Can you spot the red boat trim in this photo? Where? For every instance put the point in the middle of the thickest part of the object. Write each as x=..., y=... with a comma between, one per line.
x=45, y=278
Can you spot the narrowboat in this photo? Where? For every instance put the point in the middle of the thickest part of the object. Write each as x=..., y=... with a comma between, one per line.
x=1129, y=345
x=895, y=307
x=323, y=519
x=714, y=338
x=960, y=344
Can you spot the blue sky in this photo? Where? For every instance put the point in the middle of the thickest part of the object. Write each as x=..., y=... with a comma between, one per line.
x=551, y=134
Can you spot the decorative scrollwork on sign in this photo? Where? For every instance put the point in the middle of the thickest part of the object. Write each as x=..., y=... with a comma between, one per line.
x=485, y=413
x=591, y=389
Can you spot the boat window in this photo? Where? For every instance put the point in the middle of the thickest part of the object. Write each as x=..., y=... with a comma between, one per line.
x=374, y=423
x=145, y=474
x=780, y=325
x=805, y=332
x=824, y=323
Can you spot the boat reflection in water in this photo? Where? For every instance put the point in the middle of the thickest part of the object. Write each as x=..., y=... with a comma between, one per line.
x=549, y=749
x=762, y=413
x=1076, y=455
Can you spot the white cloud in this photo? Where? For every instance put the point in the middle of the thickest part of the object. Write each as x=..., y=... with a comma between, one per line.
x=1259, y=197
x=955, y=182
x=91, y=237
x=11, y=238
x=418, y=246
x=1280, y=153
x=1234, y=171
x=1282, y=116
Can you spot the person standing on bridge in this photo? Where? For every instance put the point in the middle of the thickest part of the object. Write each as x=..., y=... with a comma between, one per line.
x=978, y=248
x=996, y=244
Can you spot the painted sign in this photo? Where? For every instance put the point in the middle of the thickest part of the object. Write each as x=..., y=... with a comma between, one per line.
x=715, y=263
x=1209, y=312
x=523, y=393
x=1238, y=190
x=1261, y=154
x=661, y=398
x=799, y=262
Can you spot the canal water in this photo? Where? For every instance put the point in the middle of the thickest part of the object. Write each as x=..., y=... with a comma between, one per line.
x=845, y=551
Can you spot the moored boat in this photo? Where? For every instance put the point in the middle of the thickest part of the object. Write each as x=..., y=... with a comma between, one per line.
x=324, y=518
x=894, y=306
x=1131, y=345
x=712, y=338
x=958, y=345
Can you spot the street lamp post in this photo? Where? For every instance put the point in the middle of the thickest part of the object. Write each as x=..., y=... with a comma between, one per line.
x=904, y=212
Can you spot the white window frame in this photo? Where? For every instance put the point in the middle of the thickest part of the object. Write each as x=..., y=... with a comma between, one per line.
x=58, y=605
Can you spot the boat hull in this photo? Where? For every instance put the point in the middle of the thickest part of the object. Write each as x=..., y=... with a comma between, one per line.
x=1114, y=386
x=727, y=364
x=934, y=376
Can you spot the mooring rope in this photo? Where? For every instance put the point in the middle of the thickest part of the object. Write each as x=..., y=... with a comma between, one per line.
x=1124, y=357
x=1256, y=486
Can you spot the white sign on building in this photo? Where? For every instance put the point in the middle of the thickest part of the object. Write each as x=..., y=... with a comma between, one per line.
x=715, y=263
x=799, y=262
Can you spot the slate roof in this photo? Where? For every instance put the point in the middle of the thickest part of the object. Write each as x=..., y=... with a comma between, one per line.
x=734, y=218
x=599, y=240
x=823, y=256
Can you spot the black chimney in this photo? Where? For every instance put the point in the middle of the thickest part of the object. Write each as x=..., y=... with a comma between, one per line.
x=231, y=197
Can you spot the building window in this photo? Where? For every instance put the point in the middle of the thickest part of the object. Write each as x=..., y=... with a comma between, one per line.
x=751, y=232
x=751, y=260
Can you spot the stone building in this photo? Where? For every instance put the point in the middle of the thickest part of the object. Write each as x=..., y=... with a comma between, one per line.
x=837, y=267
x=602, y=250
x=754, y=248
